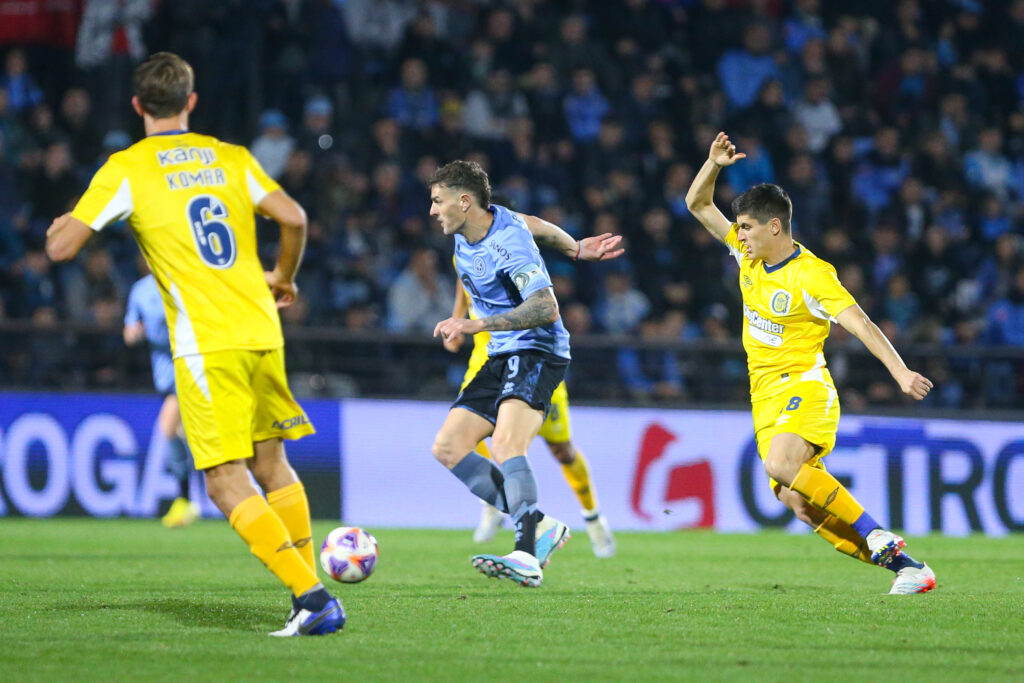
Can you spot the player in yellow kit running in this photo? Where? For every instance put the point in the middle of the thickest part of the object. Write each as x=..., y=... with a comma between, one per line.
x=555, y=431
x=789, y=298
x=189, y=200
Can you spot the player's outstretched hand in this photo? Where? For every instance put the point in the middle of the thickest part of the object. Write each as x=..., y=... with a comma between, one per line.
x=723, y=152
x=284, y=289
x=914, y=384
x=601, y=247
x=450, y=328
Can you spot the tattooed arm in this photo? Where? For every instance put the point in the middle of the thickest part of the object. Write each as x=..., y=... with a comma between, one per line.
x=540, y=308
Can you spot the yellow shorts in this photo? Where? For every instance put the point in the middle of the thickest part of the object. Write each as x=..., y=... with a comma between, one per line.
x=229, y=399
x=556, y=428
x=809, y=409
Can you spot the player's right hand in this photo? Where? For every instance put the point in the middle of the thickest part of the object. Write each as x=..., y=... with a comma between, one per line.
x=454, y=344
x=913, y=384
x=723, y=152
x=284, y=289
x=133, y=333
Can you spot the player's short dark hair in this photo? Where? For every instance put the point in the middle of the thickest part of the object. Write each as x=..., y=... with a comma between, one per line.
x=163, y=83
x=465, y=175
x=764, y=202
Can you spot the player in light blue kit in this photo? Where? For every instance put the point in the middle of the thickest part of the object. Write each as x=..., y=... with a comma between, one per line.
x=500, y=266
x=145, y=319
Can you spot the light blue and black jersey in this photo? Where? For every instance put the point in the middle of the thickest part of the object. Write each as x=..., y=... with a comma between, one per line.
x=145, y=305
x=500, y=272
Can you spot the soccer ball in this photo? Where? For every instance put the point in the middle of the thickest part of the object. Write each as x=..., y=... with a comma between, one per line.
x=349, y=554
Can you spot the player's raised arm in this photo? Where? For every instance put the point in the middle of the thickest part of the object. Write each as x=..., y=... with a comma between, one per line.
x=292, y=219
x=596, y=248
x=701, y=195
x=857, y=322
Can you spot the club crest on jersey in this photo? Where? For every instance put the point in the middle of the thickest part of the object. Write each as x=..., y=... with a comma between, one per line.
x=780, y=302
x=479, y=266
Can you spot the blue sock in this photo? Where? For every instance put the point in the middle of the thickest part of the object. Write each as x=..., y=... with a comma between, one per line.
x=521, y=495
x=315, y=599
x=482, y=478
x=902, y=560
x=179, y=462
x=865, y=524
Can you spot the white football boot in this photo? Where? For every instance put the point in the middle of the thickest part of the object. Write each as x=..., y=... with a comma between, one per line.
x=601, y=539
x=884, y=546
x=910, y=580
x=490, y=519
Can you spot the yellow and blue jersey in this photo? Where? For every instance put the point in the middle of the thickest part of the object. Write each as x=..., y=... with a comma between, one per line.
x=190, y=199
x=788, y=309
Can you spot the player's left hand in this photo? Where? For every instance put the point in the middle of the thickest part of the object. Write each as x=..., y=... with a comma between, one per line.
x=601, y=247
x=914, y=384
x=57, y=224
x=284, y=289
x=450, y=328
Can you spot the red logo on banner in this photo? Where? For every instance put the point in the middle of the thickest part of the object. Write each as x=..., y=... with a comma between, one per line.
x=693, y=481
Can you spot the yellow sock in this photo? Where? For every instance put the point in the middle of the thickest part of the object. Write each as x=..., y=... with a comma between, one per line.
x=292, y=507
x=577, y=474
x=844, y=538
x=824, y=491
x=268, y=540
x=482, y=449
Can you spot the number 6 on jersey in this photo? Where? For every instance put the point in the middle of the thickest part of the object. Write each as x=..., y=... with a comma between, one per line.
x=214, y=238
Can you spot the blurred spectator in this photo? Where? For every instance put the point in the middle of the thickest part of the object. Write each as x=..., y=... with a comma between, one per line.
x=80, y=126
x=413, y=104
x=316, y=135
x=420, y=297
x=585, y=106
x=487, y=113
x=621, y=306
x=109, y=45
x=742, y=71
x=273, y=146
x=22, y=91
x=1006, y=315
x=816, y=113
x=986, y=166
x=651, y=372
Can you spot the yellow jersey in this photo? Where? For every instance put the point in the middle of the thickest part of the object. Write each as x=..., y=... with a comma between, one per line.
x=787, y=309
x=190, y=199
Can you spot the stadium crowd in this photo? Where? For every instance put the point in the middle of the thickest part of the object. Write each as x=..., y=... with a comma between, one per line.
x=896, y=127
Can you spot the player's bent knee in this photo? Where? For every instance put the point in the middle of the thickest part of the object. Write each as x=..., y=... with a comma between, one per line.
x=447, y=452
x=779, y=468
x=564, y=452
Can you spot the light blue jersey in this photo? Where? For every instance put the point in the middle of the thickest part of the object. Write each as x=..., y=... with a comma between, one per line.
x=145, y=305
x=500, y=272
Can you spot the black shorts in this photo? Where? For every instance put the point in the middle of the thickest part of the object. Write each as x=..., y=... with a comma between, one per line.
x=530, y=376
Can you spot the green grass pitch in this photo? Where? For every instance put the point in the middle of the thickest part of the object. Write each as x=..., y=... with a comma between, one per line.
x=127, y=600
